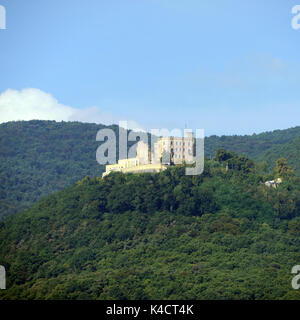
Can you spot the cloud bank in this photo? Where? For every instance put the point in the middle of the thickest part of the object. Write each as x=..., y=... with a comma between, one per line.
x=35, y=104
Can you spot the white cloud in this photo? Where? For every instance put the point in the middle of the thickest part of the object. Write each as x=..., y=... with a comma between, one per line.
x=35, y=104
x=31, y=104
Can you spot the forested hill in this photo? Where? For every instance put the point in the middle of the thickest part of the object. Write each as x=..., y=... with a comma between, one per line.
x=289, y=150
x=254, y=145
x=40, y=157
x=220, y=235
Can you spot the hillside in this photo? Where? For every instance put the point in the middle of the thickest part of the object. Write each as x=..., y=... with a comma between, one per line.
x=254, y=145
x=289, y=150
x=220, y=235
x=41, y=157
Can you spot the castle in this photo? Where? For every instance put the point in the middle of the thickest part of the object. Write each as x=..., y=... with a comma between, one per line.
x=166, y=151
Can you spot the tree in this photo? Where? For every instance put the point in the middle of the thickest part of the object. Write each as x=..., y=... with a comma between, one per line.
x=282, y=169
x=223, y=155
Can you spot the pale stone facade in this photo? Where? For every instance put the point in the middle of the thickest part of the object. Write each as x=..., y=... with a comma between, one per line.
x=167, y=151
x=273, y=183
x=143, y=153
x=180, y=149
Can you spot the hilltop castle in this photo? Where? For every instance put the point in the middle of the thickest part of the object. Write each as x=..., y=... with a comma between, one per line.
x=167, y=151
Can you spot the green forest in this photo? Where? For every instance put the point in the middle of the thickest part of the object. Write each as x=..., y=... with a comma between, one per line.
x=219, y=235
x=38, y=157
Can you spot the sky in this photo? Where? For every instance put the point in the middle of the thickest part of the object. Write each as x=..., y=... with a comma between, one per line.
x=228, y=67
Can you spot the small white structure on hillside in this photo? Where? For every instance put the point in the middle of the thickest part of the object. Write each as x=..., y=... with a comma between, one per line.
x=273, y=183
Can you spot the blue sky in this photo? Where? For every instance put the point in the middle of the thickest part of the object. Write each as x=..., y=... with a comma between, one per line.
x=230, y=67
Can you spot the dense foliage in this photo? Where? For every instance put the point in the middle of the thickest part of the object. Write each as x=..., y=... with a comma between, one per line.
x=289, y=150
x=256, y=145
x=220, y=235
x=40, y=157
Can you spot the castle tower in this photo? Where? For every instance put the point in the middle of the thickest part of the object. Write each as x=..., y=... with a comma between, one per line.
x=180, y=149
x=143, y=153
